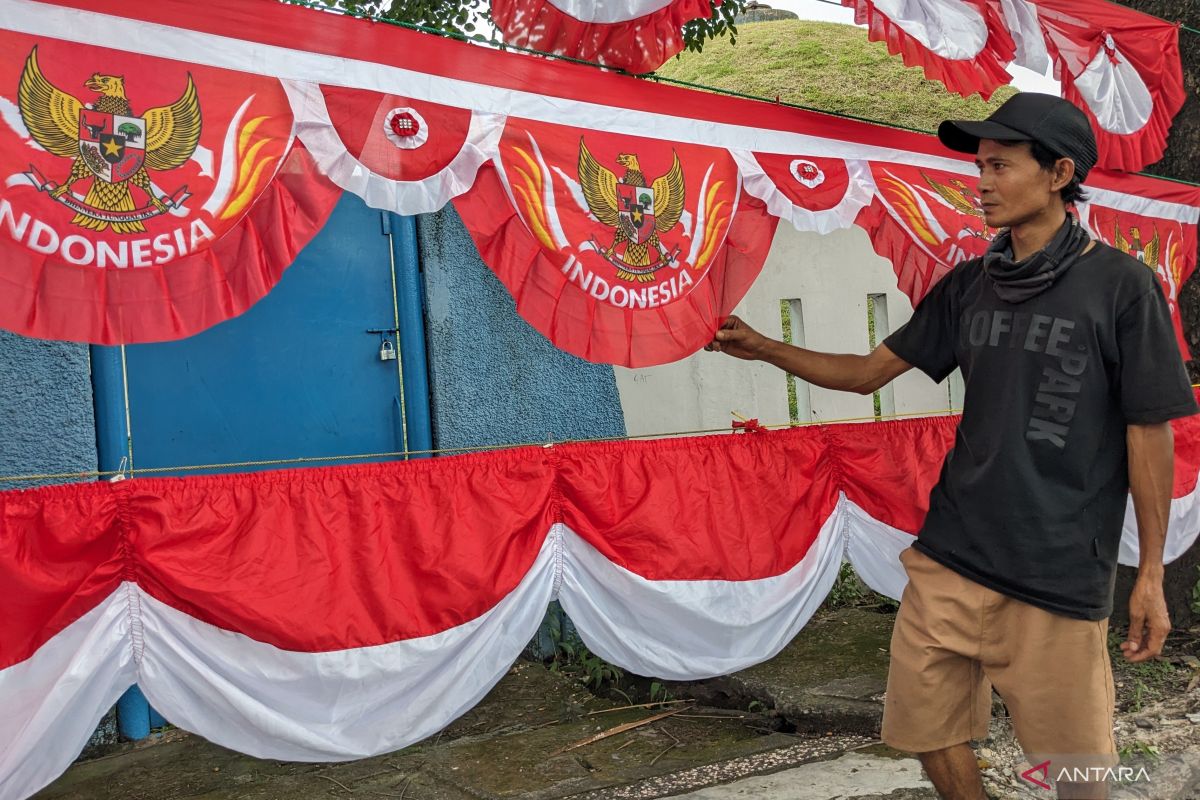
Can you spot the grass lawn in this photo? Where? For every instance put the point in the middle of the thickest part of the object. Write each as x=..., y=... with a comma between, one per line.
x=830, y=67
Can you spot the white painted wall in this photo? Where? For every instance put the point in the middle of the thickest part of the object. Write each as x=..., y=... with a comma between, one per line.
x=831, y=275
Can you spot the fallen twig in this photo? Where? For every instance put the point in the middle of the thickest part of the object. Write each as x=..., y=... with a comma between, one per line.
x=871, y=743
x=711, y=716
x=640, y=705
x=670, y=747
x=628, y=726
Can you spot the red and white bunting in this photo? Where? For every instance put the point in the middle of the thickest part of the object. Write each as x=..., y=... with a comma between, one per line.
x=364, y=617
x=634, y=35
x=1120, y=66
x=963, y=44
x=416, y=121
x=1123, y=69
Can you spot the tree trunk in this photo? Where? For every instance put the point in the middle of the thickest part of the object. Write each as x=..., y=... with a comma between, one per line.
x=1181, y=160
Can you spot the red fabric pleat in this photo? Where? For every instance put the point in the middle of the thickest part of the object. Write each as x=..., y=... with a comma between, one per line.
x=917, y=270
x=61, y=554
x=638, y=45
x=1187, y=455
x=711, y=508
x=889, y=468
x=1075, y=32
x=331, y=558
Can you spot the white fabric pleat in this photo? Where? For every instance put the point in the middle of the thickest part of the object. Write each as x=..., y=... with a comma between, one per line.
x=951, y=29
x=1183, y=525
x=1022, y=20
x=315, y=129
x=1115, y=93
x=51, y=702
x=758, y=183
x=339, y=705
x=359, y=702
x=874, y=549
x=609, y=11
x=689, y=630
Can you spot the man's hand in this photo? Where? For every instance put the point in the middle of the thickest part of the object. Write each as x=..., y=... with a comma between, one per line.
x=739, y=340
x=1149, y=623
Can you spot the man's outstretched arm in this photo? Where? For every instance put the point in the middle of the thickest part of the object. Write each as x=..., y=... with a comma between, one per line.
x=1151, y=473
x=846, y=373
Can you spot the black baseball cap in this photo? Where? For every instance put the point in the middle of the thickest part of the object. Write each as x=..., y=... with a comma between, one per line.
x=1029, y=117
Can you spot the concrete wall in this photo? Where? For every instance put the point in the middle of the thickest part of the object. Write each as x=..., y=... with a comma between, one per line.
x=46, y=419
x=493, y=378
x=831, y=277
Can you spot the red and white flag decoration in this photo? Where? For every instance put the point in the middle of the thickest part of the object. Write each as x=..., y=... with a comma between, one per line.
x=143, y=198
x=619, y=249
x=626, y=217
x=634, y=35
x=362, y=617
x=1120, y=66
x=1123, y=69
x=1157, y=237
x=963, y=44
x=409, y=156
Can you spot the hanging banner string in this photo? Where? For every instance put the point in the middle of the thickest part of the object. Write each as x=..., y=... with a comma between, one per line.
x=272, y=462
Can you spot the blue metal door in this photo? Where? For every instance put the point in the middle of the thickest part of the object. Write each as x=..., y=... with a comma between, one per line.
x=299, y=375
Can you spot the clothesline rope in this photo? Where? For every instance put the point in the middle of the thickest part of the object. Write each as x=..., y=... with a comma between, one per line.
x=278, y=462
x=445, y=450
x=313, y=4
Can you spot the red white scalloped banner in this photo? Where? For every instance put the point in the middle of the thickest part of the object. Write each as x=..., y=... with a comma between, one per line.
x=626, y=217
x=143, y=198
x=633, y=35
x=445, y=570
x=1120, y=66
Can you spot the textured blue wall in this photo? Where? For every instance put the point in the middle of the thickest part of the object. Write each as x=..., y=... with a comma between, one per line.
x=47, y=424
x=46, y=419
x=493, y=378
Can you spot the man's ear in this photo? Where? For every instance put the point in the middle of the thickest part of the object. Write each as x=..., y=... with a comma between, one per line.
x=1064, y=171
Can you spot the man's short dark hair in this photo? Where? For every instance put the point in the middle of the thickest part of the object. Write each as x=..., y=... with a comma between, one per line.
x=1071, y=193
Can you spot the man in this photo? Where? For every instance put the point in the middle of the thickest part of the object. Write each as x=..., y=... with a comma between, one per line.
x=1072, y=373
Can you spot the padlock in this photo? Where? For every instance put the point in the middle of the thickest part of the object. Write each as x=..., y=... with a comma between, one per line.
x=386, y=351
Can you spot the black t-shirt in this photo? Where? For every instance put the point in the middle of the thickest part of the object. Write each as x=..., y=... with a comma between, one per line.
x=1031, y=498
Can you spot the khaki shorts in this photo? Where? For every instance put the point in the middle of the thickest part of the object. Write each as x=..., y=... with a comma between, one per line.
x=955, y=639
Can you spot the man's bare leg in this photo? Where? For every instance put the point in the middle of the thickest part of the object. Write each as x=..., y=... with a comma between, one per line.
x=954, y=772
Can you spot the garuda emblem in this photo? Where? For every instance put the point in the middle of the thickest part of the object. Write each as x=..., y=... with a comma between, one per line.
x=1145, y=252
x=638, y=211
x=110, y=145
x=964, y=200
